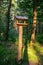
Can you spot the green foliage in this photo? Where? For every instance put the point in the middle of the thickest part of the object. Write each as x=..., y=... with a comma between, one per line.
x=12, y=36
x=7, y=55
x=25, y=4
x=3, y=55
x=40, y=11
x=39, y=38
x=39, y=47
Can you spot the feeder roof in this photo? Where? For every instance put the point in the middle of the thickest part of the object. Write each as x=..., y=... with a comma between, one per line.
x=21, y=17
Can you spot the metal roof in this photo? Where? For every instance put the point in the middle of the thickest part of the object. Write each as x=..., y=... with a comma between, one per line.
x=21, y=17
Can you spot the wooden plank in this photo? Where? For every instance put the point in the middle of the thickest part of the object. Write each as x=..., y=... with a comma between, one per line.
x=22, y=24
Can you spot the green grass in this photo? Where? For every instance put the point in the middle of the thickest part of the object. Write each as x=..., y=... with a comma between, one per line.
x=39, y=47
x=35, y=53
x=9, y=53
x=32, y=54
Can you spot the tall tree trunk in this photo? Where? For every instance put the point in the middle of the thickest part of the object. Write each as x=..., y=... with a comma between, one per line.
x=1, y=1
x=34, y=22
x=8, y=20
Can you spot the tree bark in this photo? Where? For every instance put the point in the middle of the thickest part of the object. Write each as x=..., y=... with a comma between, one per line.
x=34, y=22
x=8, y=20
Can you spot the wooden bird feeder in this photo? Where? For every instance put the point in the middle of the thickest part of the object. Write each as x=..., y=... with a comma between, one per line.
x=20, y=26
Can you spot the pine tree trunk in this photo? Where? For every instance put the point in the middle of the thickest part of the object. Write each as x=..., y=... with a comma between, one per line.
x=8, y=20
x=34, y=22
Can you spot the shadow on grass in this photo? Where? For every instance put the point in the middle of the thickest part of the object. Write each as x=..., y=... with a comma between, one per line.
x=25, y=57
x=25, y=53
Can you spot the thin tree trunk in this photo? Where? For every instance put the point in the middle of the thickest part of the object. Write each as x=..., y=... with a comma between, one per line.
x=8, y=20
x=37, y=29
x=34, y=22
x=1, y=1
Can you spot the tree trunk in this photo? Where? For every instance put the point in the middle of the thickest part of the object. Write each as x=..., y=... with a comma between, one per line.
x=34, y=22
x=8, y=20
x=1, y=1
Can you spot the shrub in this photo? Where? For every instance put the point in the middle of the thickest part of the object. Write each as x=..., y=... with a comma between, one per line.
x=39, y=38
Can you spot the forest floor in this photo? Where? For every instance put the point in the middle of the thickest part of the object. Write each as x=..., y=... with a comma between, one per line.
x=35, y=55
x=31, y=55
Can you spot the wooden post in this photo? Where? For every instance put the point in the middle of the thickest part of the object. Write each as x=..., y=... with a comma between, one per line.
x=20, y=43
x=20, y=25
